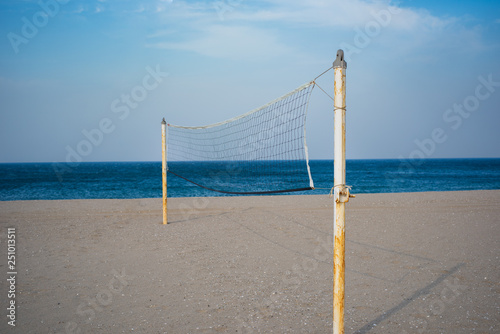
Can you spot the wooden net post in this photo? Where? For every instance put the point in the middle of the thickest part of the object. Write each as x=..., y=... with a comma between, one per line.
x=341, y=194
x=164, y=168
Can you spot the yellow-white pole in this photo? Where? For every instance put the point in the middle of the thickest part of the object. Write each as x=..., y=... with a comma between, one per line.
x=341, y=194
x=164, y=167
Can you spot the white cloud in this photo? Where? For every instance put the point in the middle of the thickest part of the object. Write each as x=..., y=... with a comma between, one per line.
x=140, y=9
x=248, y=30
x=230, y=42
x=337, y=13
x=79, y=10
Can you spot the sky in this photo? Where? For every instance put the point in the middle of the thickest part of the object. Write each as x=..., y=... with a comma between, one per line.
x=91, y=80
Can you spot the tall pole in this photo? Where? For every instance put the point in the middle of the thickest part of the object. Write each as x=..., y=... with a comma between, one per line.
x=341, y=194
x=164, y=168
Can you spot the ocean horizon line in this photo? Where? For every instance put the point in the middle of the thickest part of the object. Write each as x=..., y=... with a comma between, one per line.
x=320, y=159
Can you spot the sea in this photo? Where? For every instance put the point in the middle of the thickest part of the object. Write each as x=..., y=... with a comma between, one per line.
x=121, y=180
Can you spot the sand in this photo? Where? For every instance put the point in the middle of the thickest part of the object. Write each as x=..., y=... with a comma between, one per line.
x=416, y=263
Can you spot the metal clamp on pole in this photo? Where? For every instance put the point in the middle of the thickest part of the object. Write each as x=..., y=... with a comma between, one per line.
x=342, y=193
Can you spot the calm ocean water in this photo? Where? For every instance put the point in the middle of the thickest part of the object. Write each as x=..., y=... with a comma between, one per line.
x=41, y=181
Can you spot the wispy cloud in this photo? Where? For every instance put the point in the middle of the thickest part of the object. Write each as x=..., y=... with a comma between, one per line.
x=231, y=42
x=260, y=30
x=80, y=9
x=140, y=9
x=335, y=13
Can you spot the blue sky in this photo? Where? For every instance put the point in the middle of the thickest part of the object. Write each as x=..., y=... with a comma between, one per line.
x=91, y=80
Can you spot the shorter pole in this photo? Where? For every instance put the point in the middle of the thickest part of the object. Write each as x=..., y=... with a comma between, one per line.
x=164, y=168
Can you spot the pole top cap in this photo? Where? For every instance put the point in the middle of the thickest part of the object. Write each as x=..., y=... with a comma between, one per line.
x=340, y=62
x=163, y=122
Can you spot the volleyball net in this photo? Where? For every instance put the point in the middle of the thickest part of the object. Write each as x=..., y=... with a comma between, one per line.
x=263, y=151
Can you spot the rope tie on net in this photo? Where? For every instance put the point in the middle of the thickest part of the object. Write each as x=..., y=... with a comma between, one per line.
x=323, y=72
x=323, y=90
x=314, y=80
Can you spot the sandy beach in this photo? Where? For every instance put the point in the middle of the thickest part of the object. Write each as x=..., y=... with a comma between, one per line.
x=416, y=263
